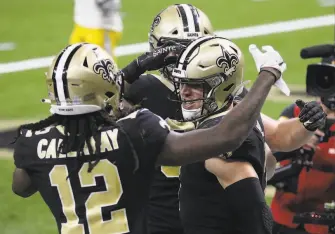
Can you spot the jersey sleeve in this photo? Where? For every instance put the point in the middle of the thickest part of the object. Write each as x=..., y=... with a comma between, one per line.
x=20, y=153
x=154, y=130
x=210, y=122
x=252, y=149
x=288, y=112
x=147, y=132
x=134, y=93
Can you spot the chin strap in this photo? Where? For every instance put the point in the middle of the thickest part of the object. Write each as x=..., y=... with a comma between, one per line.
x=190, y=115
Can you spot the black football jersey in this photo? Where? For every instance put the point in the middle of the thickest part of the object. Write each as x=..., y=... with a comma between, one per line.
x=156, y=94
x=112, y=198
x=202, y=199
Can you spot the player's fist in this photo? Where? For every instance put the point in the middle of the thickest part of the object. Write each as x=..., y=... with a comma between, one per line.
x=312, y=115
x=160, y=57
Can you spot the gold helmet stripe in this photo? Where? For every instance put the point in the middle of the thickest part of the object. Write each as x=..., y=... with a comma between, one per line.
x=183, y=59
x=59, y=75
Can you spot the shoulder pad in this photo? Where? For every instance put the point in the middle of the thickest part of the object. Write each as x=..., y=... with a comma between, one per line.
x=212, y=120
x=164, y=81
x=180, y=126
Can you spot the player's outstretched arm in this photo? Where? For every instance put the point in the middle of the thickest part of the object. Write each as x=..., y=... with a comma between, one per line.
x=228, y=135
x=22, y=185
x=234, y=128
x=290, y=134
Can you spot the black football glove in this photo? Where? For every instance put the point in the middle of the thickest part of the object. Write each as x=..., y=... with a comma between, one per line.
x=162, y=56
x=312, y=115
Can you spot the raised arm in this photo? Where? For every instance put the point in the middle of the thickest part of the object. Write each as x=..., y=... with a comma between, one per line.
x=285, y=135
x=290, y=134
x=228, y=135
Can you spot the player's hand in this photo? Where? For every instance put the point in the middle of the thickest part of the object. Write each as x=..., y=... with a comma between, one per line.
x=160, y=57
x=268, y=60
x=312, y=115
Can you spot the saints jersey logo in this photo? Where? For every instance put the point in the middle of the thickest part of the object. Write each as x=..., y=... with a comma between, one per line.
x=228, y=62
x=105, y=69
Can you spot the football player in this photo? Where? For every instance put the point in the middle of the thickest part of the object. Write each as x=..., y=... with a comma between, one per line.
x=223, y=194
x=183, y=23
x=98, y=22
x=180, y=23
x=94, y=173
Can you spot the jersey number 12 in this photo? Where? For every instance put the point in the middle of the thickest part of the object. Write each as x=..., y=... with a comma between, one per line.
x=95, y=201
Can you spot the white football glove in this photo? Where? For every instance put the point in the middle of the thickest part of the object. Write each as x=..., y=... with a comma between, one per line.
x=270, y=58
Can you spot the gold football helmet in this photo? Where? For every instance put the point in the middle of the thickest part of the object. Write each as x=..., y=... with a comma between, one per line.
x=214, y=63
x=80, y=80
x=180, y=23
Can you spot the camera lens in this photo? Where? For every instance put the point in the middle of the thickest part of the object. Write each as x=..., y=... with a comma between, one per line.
x=320, y=80
x=324, y=82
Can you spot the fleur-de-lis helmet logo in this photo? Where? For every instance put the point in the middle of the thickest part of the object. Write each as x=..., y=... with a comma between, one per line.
x=105, y=69
x=229, y=61
x=155, y=23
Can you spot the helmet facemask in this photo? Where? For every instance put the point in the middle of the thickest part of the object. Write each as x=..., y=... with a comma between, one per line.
x=212, y=65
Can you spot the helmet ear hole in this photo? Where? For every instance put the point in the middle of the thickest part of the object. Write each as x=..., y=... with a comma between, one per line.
x=236, y=51
x=76, y=85
x=175, y=32
x=206, y=32
x=85, y=62
x=109, y=94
